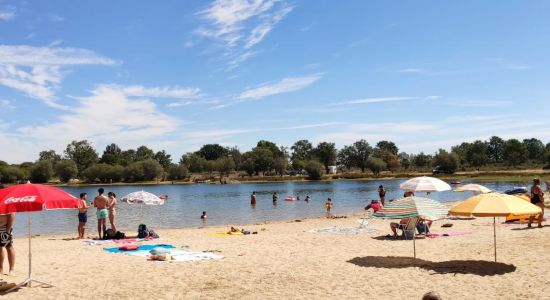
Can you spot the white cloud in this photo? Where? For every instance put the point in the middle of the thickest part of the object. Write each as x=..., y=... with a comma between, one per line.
x=412, y=70
x=6, y=105
x=7, y=13
x=160, y=92
x=241, y=24
x=36, y=71
x=107, y=115
x=55, y=43
x=285, y=85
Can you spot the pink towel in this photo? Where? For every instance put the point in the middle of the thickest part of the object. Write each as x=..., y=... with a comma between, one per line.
x=434, y=235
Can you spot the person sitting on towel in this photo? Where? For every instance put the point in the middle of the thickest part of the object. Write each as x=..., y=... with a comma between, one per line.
x=374, y=205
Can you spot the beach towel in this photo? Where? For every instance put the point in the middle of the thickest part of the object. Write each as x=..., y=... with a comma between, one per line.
x=435, y=235
x=97, y=242
x=177, y=255
x=344, y=230
x=220, y=233
x=145, y=248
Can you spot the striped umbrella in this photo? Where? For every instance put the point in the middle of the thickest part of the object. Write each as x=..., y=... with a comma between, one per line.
x=425, y=184
x=472, y=187
x=412, y=208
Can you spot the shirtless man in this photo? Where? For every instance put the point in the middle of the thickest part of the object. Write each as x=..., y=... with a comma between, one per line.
x=6, y=241
x=101, y=203
x=82, y=215
x=253, y=199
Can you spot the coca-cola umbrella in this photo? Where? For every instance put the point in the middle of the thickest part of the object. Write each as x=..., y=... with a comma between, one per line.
x=34, y=197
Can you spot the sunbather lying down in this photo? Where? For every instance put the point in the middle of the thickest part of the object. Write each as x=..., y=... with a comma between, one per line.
x=233, y=229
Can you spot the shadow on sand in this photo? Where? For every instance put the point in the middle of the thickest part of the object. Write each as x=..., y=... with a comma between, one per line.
x=475, y=267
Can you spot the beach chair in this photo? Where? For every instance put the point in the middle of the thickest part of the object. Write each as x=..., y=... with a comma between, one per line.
x=409, y=230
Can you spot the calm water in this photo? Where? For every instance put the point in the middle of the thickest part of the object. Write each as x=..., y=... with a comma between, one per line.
x=228, y=204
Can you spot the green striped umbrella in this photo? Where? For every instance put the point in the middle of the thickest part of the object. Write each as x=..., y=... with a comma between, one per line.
x=413, y=208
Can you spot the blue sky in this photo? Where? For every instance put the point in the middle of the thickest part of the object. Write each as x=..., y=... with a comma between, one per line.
x=178, y=74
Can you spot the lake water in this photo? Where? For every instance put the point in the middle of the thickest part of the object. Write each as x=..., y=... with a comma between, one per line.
x=228, y=204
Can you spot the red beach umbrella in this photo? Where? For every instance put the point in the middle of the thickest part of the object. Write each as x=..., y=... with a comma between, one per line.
x=34, y=197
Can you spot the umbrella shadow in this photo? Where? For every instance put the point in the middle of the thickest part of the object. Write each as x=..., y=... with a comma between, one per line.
x=529, y=228
x=389, y=237
x=474, y=267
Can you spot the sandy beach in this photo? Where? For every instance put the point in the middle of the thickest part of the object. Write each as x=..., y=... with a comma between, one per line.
x=285, y=261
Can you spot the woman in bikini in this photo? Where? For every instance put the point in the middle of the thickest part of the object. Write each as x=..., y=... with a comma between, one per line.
x=537, y=198
x=112, y=210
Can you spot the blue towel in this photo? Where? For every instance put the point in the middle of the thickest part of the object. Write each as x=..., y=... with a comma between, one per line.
x=141, y=248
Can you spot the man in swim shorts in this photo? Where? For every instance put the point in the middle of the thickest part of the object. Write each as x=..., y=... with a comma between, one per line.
x=82, y=215
x=101, y=202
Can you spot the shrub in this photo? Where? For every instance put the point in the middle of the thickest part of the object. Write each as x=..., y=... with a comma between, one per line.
x=314, y=169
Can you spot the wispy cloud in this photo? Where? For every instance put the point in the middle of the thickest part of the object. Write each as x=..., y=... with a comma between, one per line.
x=160, y=92
x=475, y=103
x=285, y=85
x=241, y=24
x=7, y=13
x=412, y=70
x=372, y=100
x=36, y=71
x=111, y=116
x=6, y=105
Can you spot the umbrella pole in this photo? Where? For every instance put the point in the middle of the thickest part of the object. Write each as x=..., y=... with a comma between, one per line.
x=28, y=282
x=495, y=237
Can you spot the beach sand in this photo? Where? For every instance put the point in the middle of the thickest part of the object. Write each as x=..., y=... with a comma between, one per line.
x=285, y=261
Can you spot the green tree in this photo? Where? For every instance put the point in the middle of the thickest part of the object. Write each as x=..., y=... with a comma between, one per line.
x=462, y=151
x=376, y=165
x=66, y=170
x=82, y=153
x=144, y=153
x=164, y=159
x=236, y=155
x=248, y=165
x=263, y=160
x=362, y=153
x=301, y=151
x=41, y=172
x=496, y=149
x=314, y=169
x=128, y=156
x=146, y=170
x=514, y=152
x=326, y=154
x=388, y=146
x=193, y=161
x=280, y=165
x=446, y=161
x=272, y=147
x=212, y=151
x=11, y=174
x=405, y=160
x=112, y=155
x=177, y=172
x=103, y=173
x=476, y=154
x=535, y=149
x=421, y=160
x=225, y=165
x=50, y=156
x=346, y=157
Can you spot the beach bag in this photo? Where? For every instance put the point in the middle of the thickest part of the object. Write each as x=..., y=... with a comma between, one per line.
x=120, y=235
x=109, y=234
x=142, y=231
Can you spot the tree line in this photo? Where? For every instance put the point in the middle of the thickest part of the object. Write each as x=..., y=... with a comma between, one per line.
x=81, y=161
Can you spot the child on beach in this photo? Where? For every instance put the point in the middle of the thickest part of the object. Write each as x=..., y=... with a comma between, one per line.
x=328, y=206
x=203, y=216
x=82, y=215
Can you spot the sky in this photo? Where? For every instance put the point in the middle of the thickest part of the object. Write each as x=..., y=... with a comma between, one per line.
x=175, y=75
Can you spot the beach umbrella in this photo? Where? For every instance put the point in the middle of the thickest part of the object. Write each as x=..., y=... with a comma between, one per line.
x=494, y=205
x=412, y=208
x=34, y=197
x=143, y=198
x=472, y=187
x=425, y=184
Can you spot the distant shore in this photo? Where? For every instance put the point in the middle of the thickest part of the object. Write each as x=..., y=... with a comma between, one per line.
x=478, y=176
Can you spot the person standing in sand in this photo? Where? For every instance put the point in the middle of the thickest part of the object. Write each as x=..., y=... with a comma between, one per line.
x=101, y=203
x=382, y=194
x=537, y=198
x=82, y=215
x=112, y=210
x=6, y=241
x=253, y=199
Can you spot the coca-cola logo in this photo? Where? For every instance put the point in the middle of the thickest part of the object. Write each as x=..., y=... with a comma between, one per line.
x=20, y=199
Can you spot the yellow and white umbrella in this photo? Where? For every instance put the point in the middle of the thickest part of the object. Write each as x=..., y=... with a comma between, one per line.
x=494, y=205
x=472, y=187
